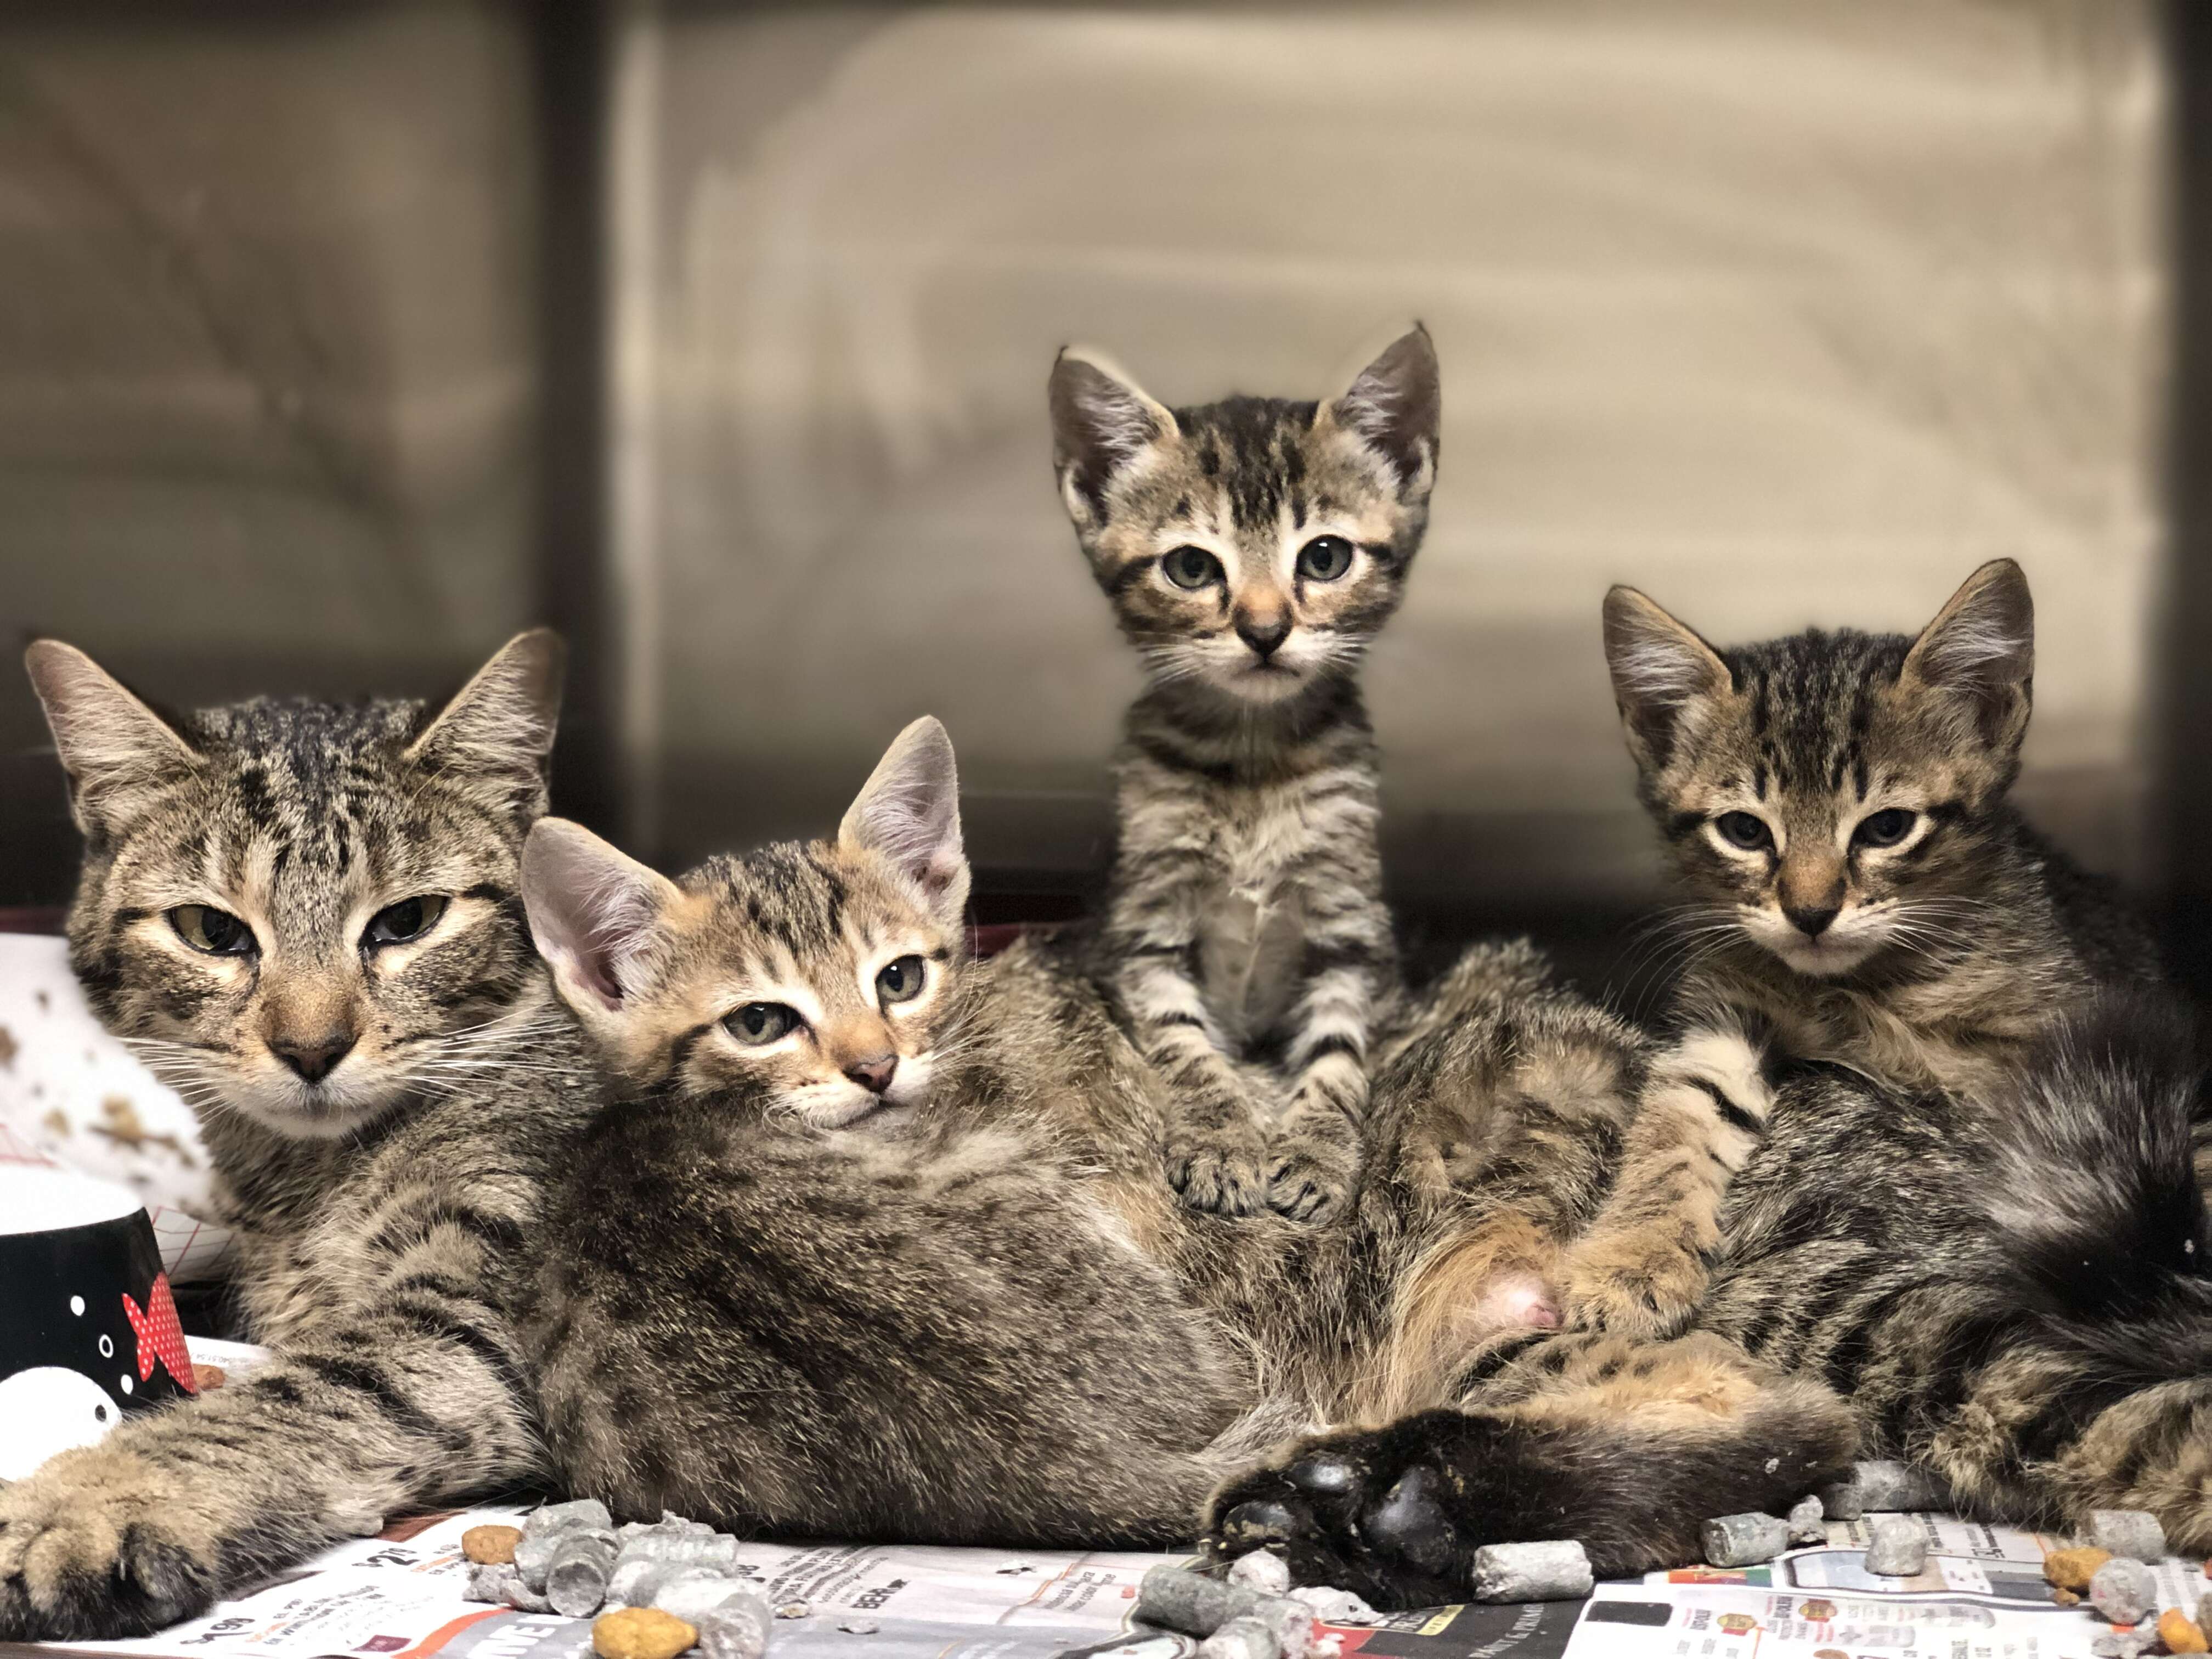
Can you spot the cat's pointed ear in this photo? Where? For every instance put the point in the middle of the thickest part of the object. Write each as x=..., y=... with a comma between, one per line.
x=1102, y=422
x=1980, y=651
x=595, y=912
x=499, y=727
x=112, y=747
x=908, y=811
x=1660, y=668
x=1395, y=404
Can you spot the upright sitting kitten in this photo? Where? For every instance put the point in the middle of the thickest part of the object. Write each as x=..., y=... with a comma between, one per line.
x=1836, y=803
x=1251, y=549
x=304, y=916
x=783, y=1290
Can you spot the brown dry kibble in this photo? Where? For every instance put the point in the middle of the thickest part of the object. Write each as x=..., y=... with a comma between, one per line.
x=2180, y=1633
x=207, y=1377
x=2073, y=1569
x=490, y=1546
x=641, y=1633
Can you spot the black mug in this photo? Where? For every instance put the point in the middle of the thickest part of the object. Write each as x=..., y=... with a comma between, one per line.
x=88, y=1332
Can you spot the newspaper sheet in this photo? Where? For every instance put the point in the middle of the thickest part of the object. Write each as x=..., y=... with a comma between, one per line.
x=1982, y=1597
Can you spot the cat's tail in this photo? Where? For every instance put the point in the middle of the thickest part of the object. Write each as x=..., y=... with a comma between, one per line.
x=2097, y=1393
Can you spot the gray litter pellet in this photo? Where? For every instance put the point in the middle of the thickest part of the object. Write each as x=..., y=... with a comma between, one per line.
x=576, y=1576
x=1896, y=1547
x=2124, y=1644
x=1270, y=1575
x=1336, y=1606
x=2134, y=1534
x=1743, y=1541
x=1880, y=1484
x=1175, y=1598
x=1557, y=1569
x=794, y=1609
x=1241, y=1638
x=1808, y=1522
x=499, y=1584
x=551, y=1517
x=730, y=1614
x=866, y=1627
x=2123, y=1590
x=638, y=1583
x=2204, y=1611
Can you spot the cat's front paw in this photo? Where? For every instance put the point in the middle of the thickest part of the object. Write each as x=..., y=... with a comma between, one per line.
x=1632, y=1284
x=1366, y=1510
x=1222, y=1169
x=100, y=1544
x=1310, y=1178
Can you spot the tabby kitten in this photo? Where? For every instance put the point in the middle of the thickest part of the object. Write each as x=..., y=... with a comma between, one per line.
x=1251, y=548
x=784, y=1290
x=304, y=916
x=1864, y=894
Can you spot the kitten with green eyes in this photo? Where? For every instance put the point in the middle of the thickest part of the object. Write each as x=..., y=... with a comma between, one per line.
x=1863, y=893
x=801, y=1280
x=304, y=916
x=1251, y=549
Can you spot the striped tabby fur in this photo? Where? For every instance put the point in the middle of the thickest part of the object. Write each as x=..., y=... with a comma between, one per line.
x=384, y=1083
x=1251, y=549
x=1966, y=1199
x=1861, y=892
x=987, y=1285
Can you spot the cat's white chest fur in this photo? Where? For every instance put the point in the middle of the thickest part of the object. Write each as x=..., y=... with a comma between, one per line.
x=1252, y=933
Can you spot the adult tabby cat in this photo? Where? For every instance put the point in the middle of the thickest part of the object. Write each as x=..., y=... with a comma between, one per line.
x=305, y=917
x=1251, y=549
x=1996, y=1254
x=1835, y=805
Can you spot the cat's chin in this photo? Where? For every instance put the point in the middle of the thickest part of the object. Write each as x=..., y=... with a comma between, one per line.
x=313, y=1112
x=1817, y=960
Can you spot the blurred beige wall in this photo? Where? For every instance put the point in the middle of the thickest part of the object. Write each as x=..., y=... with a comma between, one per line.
x=1786, y=312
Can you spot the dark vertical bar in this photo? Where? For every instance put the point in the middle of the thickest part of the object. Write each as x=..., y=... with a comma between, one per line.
x=571, y=42
x=2184, y=761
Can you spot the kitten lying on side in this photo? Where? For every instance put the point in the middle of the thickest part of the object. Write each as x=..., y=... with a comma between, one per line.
x=784, y=1292
x=1864, y=894
x=1251, y=549
x=304, y=916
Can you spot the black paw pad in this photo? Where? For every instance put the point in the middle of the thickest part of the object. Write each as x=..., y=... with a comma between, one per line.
x=1410, y=1522
x=1323, y=1472
x=1257, y=1521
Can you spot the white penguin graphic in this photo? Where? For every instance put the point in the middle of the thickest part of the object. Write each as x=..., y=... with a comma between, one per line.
x=49, y=1409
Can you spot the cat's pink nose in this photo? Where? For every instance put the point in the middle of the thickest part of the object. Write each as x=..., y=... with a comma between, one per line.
x=873, y=1074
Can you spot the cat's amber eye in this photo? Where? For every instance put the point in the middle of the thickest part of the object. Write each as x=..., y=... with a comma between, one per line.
x=216, y=931
x=902, y=980
x=1324, y=558
x=758, y=1023
x=1191, y=567
x=1884, y=829
x=395, y=924
x=1745, y=830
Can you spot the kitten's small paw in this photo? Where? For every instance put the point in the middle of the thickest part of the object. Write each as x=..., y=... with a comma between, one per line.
x=1310, y=1180
x=93, y=1548
x=1633, y=1290
x=1220, y=1171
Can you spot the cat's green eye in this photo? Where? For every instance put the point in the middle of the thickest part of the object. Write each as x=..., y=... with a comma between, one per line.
x=1884, y=829
x=216, y=931
x=762, y=1021
x=902, y=980
x=1743, y=829
x=395, y=924
x=1191, y=567
x=1324, y=558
